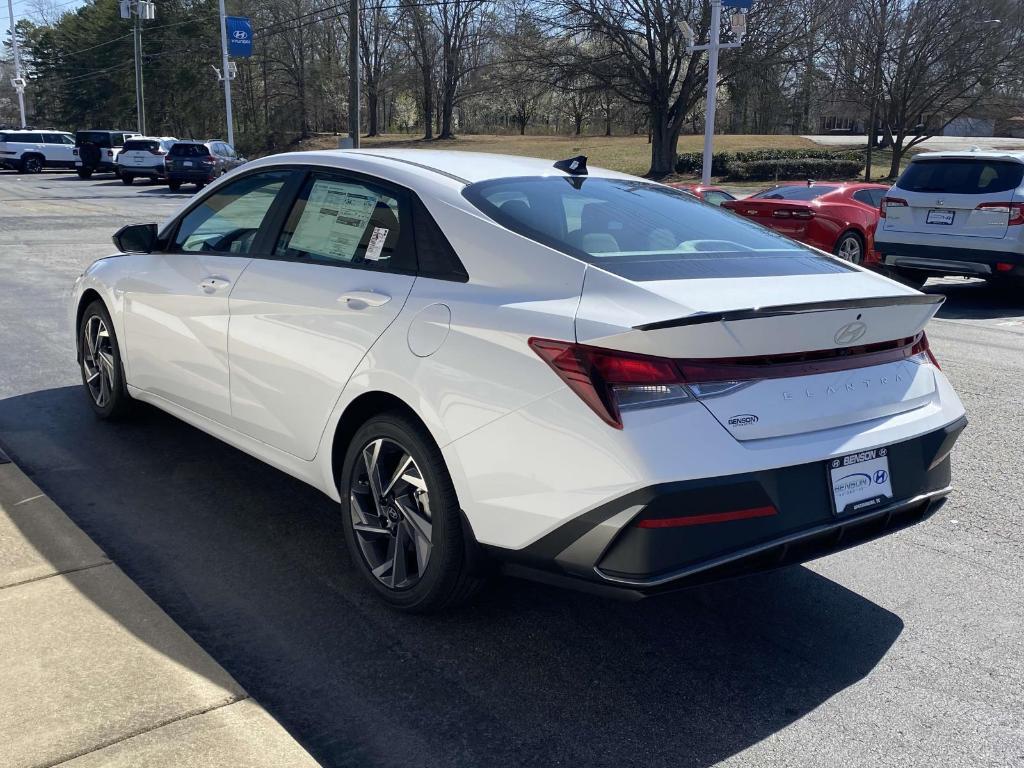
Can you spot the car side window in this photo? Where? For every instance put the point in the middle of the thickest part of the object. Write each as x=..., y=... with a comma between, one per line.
x=32, y=138
x=52, y=138
x=228, y=220
x=717, y=198
x=350, y=222
x=872, y=197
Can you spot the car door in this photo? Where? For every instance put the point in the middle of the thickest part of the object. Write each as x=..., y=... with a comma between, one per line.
x=176, y=301
x=303, y=319
x=57, y=148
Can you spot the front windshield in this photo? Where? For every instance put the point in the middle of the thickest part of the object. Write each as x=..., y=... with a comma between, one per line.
x=640, y=230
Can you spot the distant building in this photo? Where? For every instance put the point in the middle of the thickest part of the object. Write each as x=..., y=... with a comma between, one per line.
x=966, y=125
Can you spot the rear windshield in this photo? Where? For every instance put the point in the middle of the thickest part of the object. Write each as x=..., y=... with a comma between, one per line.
x=801, y=192
x=190, y=150
x=141, y=146
x=99, y=138
x=961, y=176
x=642, y=231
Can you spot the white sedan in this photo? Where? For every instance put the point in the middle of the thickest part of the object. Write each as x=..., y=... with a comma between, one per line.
x=578, y=375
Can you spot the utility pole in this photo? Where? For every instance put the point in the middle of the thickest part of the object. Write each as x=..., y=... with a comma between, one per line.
x=140, y=10
x=738, y=26
x=226, y=75
x=140, y=99
x=353, y=72
x=17, y=82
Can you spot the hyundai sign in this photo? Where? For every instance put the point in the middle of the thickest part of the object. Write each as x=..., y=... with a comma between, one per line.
x=239, y=35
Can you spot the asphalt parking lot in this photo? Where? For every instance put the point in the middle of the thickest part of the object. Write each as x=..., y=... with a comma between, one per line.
x=904, y=652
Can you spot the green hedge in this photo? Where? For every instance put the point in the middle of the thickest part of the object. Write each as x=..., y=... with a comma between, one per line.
x=811, y=168
x=735, y=164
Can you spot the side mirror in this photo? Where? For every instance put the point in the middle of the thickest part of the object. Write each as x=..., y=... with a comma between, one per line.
x=135, y=238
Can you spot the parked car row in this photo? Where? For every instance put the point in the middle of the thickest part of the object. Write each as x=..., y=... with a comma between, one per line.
x=127, y=155
x=949, y=213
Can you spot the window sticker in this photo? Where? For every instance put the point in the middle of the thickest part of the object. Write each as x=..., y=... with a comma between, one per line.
x=376, y=244
x=334, y=219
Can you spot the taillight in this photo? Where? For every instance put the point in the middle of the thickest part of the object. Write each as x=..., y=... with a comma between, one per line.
x=890, y=202
x=781, y=213
x=793, y=213
x=610, y=381
x=210, y=159
x=157, y=152
x=1014, y=211
x=803, y=214
x=922, y=351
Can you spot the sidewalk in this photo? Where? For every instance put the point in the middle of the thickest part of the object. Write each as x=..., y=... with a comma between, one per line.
x=93, y=673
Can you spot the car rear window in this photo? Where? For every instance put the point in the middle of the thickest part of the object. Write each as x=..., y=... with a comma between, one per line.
x=642, y=231
x=141, y=146
x=795, y=192
x=99, y=138
x=961, y=176
x=190, y=150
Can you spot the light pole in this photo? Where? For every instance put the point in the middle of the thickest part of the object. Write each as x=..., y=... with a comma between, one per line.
x=738, y=26
x=17, y=81
x=227, y=75
x=140, y=10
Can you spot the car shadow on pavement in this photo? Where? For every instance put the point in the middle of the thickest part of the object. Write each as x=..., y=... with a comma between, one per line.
x=252, y=565
x=977, y=300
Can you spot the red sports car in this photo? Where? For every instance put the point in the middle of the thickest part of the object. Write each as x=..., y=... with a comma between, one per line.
x=709, y=194
x=833, y=216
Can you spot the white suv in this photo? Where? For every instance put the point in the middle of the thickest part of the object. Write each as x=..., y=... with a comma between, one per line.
x=144, y=156
x=956, y=213
x=29, y=151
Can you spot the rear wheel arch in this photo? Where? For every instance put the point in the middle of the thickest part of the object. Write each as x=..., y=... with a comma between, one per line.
x=362, y=409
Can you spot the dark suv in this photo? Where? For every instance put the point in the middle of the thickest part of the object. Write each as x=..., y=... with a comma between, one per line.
x=96, y=151
x=199, y=162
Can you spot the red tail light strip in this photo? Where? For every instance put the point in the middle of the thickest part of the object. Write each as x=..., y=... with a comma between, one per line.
x=593, y=373
x=712, y=517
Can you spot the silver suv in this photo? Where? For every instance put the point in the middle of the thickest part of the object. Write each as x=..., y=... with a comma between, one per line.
x=955, y=213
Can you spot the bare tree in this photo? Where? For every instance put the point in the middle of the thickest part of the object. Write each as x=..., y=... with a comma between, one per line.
x=377, y=28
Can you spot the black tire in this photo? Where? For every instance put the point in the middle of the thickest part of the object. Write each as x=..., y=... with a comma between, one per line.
x=447, y=579
x=84, y=173
x=118, y=403
x=850, y=247
x=127, y=178
x=174, y=186
x=31, y=164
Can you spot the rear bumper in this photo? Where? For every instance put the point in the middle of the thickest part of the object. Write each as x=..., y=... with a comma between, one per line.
x=611, y=548
x=101, y=167
x=190, y=177
x=158, y=172
x=949, y=261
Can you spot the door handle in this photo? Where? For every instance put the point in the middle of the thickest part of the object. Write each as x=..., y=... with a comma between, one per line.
x=360, y=299
x=211, y=284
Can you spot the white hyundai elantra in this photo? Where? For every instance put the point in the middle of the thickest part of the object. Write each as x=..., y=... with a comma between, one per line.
x=583, y=376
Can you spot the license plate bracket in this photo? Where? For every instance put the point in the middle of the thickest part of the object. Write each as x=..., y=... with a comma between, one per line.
x=940, y=216
x=859, y=481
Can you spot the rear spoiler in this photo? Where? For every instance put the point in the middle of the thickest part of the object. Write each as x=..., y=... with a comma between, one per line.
x=779, y=310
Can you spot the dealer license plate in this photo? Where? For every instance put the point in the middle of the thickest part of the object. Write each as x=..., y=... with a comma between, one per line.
x=940, y=217
x=860, y=481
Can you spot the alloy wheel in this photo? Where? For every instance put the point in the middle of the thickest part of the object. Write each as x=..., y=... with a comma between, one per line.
x=33, y=165
x=390, y=509
x=98, y=360
x=850, y=250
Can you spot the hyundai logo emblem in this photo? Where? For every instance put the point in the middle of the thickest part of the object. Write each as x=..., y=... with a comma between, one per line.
x=850, y=333
x=240, y=34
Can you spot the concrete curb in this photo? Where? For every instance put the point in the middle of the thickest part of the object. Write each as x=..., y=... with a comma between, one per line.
x=95, y=674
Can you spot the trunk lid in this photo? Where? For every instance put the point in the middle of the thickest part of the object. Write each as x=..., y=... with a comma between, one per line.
x=786, y=218
x=788, y=332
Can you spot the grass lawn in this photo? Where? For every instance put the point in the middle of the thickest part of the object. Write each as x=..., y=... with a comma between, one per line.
x=629, y=154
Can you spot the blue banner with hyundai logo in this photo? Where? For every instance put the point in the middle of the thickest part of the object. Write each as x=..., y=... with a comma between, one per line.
x=239, y=35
